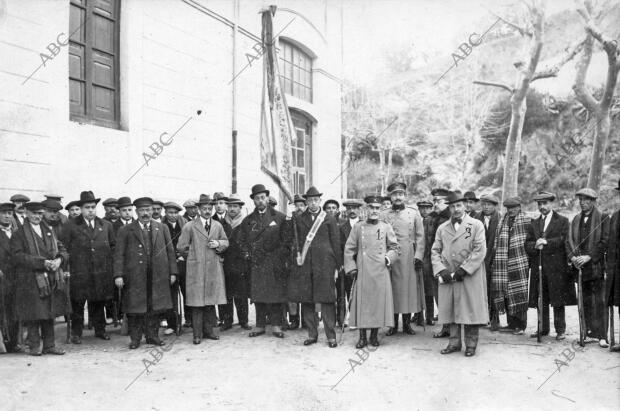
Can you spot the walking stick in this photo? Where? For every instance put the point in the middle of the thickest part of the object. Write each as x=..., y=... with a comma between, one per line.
x=612, y=332
x=540, y=297
x=582, y=320
x=179, y=313
x=124, y=325
x=342, y=305
x=67, y=308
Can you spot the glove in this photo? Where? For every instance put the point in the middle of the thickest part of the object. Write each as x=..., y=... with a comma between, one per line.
x=445, y=276
x=352, y=273
x=460, y=274
x=418, y=264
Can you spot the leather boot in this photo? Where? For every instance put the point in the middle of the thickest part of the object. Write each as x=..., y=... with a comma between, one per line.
x=393, y=330
x=407, y=324
x=373, y=337
x=362, y=341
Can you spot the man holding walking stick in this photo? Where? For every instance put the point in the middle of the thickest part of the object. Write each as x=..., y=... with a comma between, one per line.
x=545, y=243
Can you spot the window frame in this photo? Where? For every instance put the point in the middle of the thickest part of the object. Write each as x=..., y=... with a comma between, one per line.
x=306, y=124
x=296, y=76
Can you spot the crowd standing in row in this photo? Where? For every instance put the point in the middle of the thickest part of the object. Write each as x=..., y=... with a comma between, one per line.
x=366, y=268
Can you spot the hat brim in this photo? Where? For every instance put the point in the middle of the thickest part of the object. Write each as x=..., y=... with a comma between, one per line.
x=258, y=192
x=94, y=200
x=306, y=196
x=586, y=196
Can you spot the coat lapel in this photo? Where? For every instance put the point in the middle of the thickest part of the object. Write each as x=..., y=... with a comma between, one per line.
x=137, y=231
x=155, y=226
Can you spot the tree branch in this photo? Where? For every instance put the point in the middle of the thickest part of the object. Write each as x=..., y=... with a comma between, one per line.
x=554, y=70
x=582, y=94
x=523, y=31
x=500, y=85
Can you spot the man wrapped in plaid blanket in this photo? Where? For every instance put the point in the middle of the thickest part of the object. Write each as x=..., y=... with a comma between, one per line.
x=509, y=281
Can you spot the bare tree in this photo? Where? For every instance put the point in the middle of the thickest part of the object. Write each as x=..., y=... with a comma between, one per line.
x=600, y=110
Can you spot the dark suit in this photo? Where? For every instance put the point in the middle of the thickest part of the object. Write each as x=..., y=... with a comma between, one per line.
x=431, y=286
x=557, y=284
x=490, y=231
x=7, y=291
x=90, y=253
x=175, y=233
x=345, y=230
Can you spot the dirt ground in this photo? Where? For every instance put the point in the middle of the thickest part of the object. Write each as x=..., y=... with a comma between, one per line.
x=237, y=372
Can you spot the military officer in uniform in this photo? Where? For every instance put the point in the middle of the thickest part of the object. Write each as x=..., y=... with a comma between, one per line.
x=407, y=281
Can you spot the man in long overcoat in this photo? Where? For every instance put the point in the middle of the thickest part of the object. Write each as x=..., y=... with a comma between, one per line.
x=264, y=244
x=490, y=217
x=144, y=267
x=200, y=242
x=7, y=279
x=343, y=291
x=613, y=265
x=407, y=271
x=312, y=282
x=41, y=293
x=458, y=262
x=174, y=221
x=546, y=245
x=89, y=241
x=236, y=268
x=586, y=247
x=370, y=249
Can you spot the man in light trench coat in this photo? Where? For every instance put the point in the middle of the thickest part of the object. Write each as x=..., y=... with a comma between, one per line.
x=458, y=263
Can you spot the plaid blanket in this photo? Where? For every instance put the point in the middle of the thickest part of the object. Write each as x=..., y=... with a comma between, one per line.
x=510, y=266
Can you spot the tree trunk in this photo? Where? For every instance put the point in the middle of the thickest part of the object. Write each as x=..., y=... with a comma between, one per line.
x=513, y=147
x=389, y=166
x=599, y=147
x=382, y=169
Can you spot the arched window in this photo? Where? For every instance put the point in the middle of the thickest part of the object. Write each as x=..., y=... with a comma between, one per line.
x=296, y=71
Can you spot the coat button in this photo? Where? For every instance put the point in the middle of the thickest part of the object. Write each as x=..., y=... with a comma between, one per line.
x=140, y=262
x=140, y=245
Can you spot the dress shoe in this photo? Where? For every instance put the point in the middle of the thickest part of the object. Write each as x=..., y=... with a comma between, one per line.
x=373, y=337
x=391, y=331
x=560, y=336
x=535, y=334
x=615, y=348
x=450, y=349
x=103, y=336
x=441, y=334
x=518, y=331
x=310, y=341
x=408, y=330
x=362, y=342
x=256, y=333
x=197, y=340
x=54, y=351
x=155, y=341
x=470, y=352
x=278, y=334
x=134, y=344
x=494, y=326
x=212, y=337
x=76, y=339
x=225, y=327
x=36, y=352
x=332, y=344
x=245, y=326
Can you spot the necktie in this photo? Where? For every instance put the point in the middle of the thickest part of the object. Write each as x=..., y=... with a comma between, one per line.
x=542, y=224
x=207, y=227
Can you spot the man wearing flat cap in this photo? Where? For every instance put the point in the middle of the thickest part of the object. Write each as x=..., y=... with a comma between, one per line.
x=546, y=245
x=57, y=198
x=41, y=293
x=8, y=281
x=353, y=209
x=511, y=267
x=90, y=242
x=490, y=217
x=191, y=210
x=110, y=206
x=19, y=214
x=471, y=203
x=586, y=246
x=613, y=265
x=458, y=262
x=311, y=279
x=407, y=270
x=236, y=268
x=263, y=239
x=175, y=222
x=202, y=242
x=144, y=267
x=439, y=215
x=158, y=207
x=51, y=216
x=425, y=207
x=371, y=299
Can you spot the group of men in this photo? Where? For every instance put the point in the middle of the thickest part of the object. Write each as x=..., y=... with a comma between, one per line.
x=312, y=265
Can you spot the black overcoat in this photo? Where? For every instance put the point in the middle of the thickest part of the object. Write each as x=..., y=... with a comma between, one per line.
x=613, y=262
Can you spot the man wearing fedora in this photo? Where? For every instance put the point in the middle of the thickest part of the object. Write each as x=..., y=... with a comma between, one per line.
x=8, y=282
x=311, y=280
x=144, y=267
x=586, y=246
x=125, y=209
x=458, y=263
x=201, y=243
x=439, y=215
x=490, y=217
x=371, y=300
x=89, y=241
x=613, y=265
x=511, y=267
x=41, y=293
x=236, y=268
x=407, y=270
x=263, y=243
x=546, y=245
x=352, y=217
x=471, y=203
x=174, y=221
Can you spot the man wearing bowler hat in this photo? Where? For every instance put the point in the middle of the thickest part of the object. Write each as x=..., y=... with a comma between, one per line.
x=546, y=245
x=613, y=265
x=458, y=263
x=511, y=267
x=586, y=246
x=144, y=267
x=89, y=241
x=263, y=243
x=312, y=276
x=407, y=274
